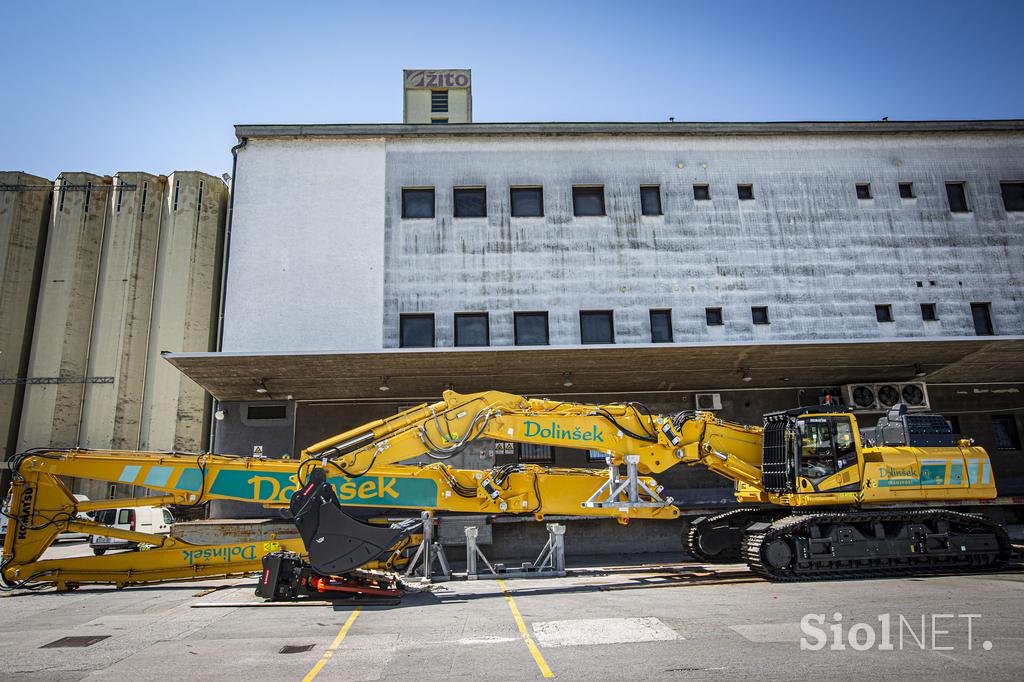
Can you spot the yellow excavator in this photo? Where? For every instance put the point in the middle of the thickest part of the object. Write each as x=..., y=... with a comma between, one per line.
x=822, y=496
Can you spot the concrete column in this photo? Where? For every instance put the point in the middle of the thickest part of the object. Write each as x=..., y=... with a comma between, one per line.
x=112, y=413
x=174, y=411
x=51, y=413
x=24, y=215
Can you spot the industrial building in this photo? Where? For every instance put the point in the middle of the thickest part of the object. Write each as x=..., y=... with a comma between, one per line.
x=740, y=268
x=736, y=267
x=99, y=276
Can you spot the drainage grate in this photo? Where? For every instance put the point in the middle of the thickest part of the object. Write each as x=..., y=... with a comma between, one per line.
x=68, y=642
x=295, y=648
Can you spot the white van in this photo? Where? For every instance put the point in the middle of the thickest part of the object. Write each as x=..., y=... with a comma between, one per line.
x=154, y=520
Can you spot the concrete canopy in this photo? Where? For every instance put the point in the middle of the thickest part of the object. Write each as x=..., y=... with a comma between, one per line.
x=424, y=372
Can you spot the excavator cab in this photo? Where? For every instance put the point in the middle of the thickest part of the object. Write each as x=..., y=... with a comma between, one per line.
x=811, y=451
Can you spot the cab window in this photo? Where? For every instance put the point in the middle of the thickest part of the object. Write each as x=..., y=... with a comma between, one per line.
x=817, y=457
x=168, y=519
x=846, y=450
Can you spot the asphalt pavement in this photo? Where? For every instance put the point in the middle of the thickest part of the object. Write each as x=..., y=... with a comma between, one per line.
x=648, y=619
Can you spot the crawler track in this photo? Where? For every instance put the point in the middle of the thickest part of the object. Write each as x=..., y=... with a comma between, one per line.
x=731, y=522
x=875, y=544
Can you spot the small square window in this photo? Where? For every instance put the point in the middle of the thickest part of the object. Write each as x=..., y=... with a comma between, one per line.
x=1005, y=428
x=701, y=192
x=957, y=196
x=470, y=202
x=863, y=190
x=883, y=312
x=745, y=192
x=587, y=200
x=982, y=314
x=906, y=190
x=597, y=326
x=650, y=199
x=418, y=203
x=531, y=329
x=661, y=326
x=759, y=314
x=1013, y=195
x=527, y=202
x=928, y=313
x=713, y=316
x=439, y=101
x=472, y=329
x=416, y=330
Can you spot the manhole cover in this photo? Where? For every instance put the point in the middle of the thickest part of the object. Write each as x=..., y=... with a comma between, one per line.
x=67, y=642
x=295, y=648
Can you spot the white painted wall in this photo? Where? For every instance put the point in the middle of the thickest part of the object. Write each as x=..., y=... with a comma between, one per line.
x=306, y=266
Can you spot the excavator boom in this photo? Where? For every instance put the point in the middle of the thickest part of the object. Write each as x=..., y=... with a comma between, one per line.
x=798, y=459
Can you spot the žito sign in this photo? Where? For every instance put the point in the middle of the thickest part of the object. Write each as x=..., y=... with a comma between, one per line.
x=421, y=78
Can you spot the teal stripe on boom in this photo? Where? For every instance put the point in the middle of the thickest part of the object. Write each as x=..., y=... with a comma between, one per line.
x=190, y=480
x=158, y=476
x=129, y=473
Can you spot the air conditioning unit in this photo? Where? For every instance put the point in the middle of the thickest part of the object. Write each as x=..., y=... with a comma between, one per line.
x=882, y=396
x=708, y=402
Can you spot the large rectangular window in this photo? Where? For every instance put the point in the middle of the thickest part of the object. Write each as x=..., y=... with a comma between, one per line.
x=597, y=326
x=587, y=200
x=982, y=314
x=257, y=412
x=417, y=202
x=650, y=199
x=1005, y=428
x=527, y=202
x=531, y=329
x=1013, y=195
x=533, y=453
x=470, y=202
x=472, y=329
x=957, y=196
x=416, y=330
x=661, y=326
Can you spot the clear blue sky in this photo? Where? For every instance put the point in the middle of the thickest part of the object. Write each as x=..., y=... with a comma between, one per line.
x=108, y=86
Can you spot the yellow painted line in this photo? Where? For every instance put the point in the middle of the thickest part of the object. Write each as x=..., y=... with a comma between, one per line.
x=334, y=645
x=530, y=644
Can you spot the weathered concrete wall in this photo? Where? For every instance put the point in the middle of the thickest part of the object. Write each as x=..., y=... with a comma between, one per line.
x=307, y=247
x=120, y=333
x=175, y=414
x=806, y=247
x=51, y=413
x=24, y=215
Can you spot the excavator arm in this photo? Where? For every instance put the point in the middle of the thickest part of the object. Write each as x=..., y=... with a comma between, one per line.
x=363, y=467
